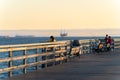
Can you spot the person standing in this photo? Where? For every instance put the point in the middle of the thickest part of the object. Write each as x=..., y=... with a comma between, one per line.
x=109, y=43
x=106, y=38
x=106, y=42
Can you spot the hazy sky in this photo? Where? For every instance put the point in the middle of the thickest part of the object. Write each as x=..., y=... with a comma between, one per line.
x=57, y=14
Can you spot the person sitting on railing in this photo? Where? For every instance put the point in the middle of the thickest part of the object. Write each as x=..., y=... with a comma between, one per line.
x=52, y=39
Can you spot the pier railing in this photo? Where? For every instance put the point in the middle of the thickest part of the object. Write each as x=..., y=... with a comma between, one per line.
x=41, y=50
x=116, y=43
x=44, y=54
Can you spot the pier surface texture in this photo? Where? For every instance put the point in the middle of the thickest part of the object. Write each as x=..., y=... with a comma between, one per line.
x=102, y=66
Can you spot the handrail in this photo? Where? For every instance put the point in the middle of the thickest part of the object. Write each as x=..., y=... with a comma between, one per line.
x=33, y=44
x=57, y=48
x=116, y=43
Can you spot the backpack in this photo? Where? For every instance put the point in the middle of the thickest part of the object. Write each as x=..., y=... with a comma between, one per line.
x=76, y=43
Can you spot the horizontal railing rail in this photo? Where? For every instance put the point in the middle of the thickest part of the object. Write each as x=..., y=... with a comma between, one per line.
x=56, y=48
x=117, y=43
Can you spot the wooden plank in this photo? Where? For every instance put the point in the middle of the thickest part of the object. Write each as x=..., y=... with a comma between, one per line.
x=36, y=59
x=27, y=48
x=34, y=44
x=24, y=62
x=61, y=58
x=11, y=49
x=10, y=64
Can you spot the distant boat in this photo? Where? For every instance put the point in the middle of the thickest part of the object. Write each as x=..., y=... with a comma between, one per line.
x=63, y=34
x=23, y=36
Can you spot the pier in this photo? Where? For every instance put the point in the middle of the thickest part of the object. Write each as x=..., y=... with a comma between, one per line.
x=104, y=66
x=60, y=61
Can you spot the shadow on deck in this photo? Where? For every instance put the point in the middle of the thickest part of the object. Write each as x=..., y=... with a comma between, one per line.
x=103, y=66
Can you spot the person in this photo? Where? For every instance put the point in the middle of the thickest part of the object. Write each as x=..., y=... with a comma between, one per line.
x=106, y=42
x=109, y=43
x=106, y=38
x=110, y=40
x=52, y=39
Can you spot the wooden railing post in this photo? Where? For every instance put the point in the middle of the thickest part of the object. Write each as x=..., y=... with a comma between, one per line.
x=54, y=55
x=10, y=63
x=66, y=54
x=37, y=51
x=24, y=61
x=44, y=57
x=61, y=57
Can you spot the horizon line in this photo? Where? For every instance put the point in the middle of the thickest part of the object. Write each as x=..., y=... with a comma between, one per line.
x=60, y=29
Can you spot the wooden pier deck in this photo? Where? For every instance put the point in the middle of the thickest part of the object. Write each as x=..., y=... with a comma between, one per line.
x=103, y=66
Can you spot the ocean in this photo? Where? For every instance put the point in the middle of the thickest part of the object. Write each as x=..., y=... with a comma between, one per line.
x=27, y=40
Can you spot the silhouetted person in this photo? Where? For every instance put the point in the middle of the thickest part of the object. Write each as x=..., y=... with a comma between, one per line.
x=106, y=42
x=106, y=38
x=109, y=43
x=52, y=39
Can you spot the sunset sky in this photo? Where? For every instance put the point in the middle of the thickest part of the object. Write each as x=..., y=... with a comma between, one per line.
x=57, y=14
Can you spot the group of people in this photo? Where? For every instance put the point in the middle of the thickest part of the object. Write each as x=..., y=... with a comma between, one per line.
x=108, y=42
x=106, y=46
